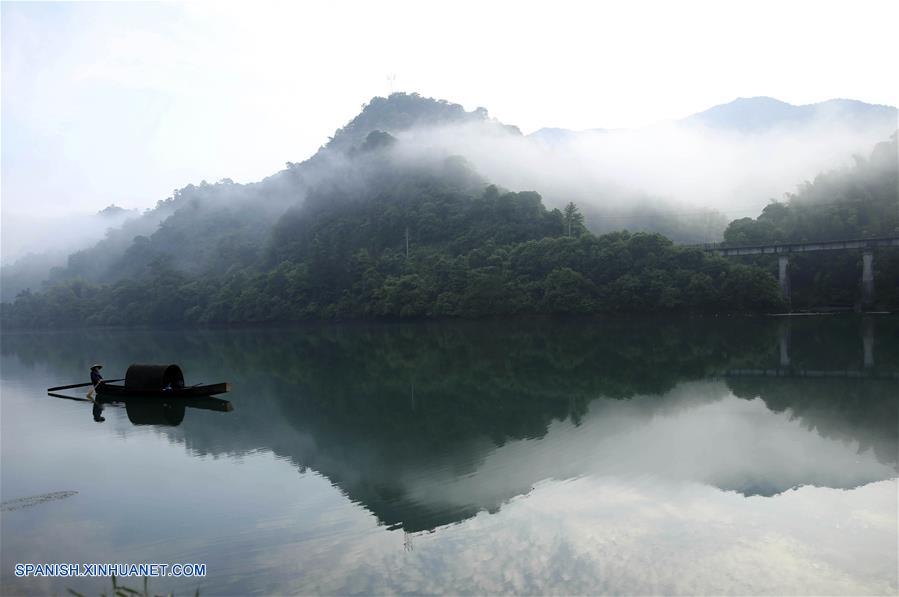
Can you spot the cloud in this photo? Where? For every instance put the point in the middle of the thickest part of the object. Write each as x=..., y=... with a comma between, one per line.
x=698, y=433
x=607, y=535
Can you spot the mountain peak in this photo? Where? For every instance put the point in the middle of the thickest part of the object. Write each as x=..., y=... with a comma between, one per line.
x=399, y=112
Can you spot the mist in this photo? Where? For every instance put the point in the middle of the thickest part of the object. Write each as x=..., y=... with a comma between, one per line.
x=54, y=233
x=43, y=245
x=34, y=244
x=681, y=168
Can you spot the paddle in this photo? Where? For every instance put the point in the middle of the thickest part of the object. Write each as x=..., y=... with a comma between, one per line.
x=68, y=397
x=80, y=385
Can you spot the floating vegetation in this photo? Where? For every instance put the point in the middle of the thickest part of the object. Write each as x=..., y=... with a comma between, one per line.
x=27, y=502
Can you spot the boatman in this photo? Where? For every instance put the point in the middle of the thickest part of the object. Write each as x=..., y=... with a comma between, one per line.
x=96, y=379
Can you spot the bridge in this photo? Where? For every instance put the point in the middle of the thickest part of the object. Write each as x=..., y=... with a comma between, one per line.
x=784, y=250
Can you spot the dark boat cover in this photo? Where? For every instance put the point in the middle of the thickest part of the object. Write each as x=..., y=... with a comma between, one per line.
x=153, y=377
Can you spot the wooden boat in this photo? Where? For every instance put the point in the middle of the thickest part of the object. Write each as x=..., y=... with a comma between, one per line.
x=114, y=390
x=160, y=381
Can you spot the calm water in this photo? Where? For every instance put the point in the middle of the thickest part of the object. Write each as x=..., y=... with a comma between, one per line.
x=576, y=458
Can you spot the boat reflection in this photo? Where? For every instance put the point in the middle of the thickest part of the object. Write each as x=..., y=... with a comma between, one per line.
x=151, y=410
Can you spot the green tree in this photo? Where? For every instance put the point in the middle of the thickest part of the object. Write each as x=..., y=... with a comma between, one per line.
x=574, y=219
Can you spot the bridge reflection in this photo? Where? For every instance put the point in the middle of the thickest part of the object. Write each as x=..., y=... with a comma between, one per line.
x=785, y=368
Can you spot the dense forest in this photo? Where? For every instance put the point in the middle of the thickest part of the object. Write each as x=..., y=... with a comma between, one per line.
x=364, y=230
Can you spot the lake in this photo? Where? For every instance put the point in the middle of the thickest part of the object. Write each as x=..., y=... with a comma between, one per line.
x=753, y=456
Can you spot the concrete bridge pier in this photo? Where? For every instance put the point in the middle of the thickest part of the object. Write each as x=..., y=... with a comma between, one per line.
x=868, y=342
x=867, y=279
x=783, y=277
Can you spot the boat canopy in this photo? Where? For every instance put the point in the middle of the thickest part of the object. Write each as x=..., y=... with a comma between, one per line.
x=153, y=377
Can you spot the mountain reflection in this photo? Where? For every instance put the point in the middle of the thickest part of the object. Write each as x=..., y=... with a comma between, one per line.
x=426, y=425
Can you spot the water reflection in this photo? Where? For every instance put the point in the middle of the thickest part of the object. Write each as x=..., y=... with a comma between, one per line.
x=427, y=425
x=150, y=410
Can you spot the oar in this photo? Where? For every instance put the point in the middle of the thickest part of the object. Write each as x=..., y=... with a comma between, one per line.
x=68, y=397
x=80, y=385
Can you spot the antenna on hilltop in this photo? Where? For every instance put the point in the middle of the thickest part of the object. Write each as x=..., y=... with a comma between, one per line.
x=391, y=80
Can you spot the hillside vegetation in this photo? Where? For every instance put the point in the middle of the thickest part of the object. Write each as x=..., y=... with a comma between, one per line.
x=364, y=230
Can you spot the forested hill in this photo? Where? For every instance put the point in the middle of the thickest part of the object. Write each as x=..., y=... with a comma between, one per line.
x=397, y=237
x=211, y=228
x=404, y=111
x=368, y=229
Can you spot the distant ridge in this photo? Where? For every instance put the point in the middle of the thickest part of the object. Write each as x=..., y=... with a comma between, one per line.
x=759, y=114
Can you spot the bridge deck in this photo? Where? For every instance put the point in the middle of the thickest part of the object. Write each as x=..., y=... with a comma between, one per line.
x=803, y=247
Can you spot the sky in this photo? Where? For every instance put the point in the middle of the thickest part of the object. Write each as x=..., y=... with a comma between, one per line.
x=124, y=102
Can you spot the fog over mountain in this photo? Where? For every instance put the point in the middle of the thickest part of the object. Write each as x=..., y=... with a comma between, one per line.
x=731, y=158
x=685, y=179
x=35, y=243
